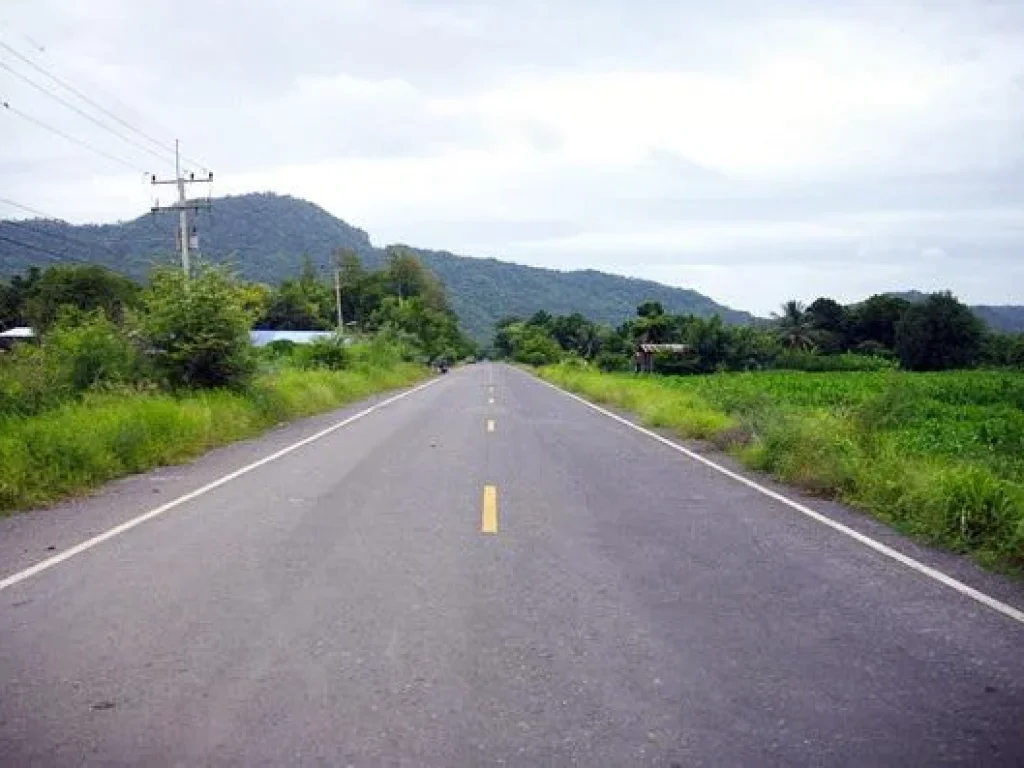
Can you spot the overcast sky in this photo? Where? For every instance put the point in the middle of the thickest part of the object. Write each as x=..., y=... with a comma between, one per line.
x=754, y=150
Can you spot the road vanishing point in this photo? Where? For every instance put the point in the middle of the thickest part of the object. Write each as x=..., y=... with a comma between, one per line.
x=486, y=571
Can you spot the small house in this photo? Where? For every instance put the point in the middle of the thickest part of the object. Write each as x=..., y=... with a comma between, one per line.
x=644, y=360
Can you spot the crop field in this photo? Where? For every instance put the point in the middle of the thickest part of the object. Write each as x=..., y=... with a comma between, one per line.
x=937, y=455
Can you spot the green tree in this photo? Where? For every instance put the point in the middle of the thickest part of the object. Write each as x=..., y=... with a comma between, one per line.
x=85, y=287
x=353, y=282
x=1004, y=349
x=505, y=330
x=534, y=346
x=541, y=319
x=650, y=309
x=196, y=332
x=293, y=307
x=418, y=309
x=875, y=320
x=651, y=324
x=14, y=296
x=794, y=327
x=709, y=340
x=408, y=277
x=574, y=333
x=939, y=333
x=829, y=324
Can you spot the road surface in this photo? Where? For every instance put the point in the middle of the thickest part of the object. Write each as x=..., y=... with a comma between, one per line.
x=484, y=572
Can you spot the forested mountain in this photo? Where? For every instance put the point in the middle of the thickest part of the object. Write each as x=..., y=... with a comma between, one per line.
x=267, y=237
x=1008, y=319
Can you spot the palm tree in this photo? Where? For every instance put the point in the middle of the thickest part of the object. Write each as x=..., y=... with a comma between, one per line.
x=794, y=326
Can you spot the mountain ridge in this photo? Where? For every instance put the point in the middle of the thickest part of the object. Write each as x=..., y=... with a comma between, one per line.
x=267, y=237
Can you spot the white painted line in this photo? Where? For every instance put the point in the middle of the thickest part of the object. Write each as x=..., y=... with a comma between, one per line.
x=117, y=530
x=909, y=562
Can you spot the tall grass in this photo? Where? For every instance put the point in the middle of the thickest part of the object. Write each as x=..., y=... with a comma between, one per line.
x=939, y=456
x=82, y=443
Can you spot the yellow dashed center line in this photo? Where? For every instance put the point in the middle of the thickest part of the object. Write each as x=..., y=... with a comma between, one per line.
x=489, y=518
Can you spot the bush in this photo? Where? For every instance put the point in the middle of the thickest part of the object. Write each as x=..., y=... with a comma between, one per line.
x=26, y=382
x=609, y=362
x=279, y=348
x=82, y=351
x=380, y=352
x=533, y=346
x=86, y=350
x=197, y=331
x=796, y=360
x=330, y=354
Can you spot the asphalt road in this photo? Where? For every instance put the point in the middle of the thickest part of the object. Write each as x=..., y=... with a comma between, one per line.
x=345, y=604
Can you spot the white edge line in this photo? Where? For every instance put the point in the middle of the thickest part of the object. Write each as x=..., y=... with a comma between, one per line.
x=909, y=562
x=117, y=530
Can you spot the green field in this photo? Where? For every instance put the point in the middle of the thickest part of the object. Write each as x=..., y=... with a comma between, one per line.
x=939, y=456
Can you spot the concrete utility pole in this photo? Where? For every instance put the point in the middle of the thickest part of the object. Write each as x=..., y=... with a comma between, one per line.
x=337, y=299
x=183, y=206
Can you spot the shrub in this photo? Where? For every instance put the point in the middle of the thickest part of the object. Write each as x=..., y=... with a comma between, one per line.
x=533, y=346
x=797, y=360
x=322, y=353
x=88, y=349
x=279, y=348
x=197, y=331
x=609, y=362
x=27, y=382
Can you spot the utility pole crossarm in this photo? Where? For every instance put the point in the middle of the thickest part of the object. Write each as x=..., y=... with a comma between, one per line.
x=183, y=206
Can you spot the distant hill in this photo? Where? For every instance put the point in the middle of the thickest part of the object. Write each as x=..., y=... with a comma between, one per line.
x=1007, y=318
x=267, y=237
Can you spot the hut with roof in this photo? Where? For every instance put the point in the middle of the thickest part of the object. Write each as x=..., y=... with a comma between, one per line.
x=645, y=354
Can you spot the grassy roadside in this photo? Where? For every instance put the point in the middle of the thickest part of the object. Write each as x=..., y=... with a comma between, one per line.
x=937, y=456
x=83, y=443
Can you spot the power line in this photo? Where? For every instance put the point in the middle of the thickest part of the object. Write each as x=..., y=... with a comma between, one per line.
x=29, y=246
x=82, y=112
x=61, y=237
x=72, y=139
x=165, y=146
x=25, y=208
x=32, y=227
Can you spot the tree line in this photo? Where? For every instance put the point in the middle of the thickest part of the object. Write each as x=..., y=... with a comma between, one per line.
x=96, y=328
x=404, y=299
x=937, y=333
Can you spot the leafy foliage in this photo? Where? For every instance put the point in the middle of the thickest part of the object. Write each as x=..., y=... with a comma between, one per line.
x=933, y=334
x=938, y=334
x=196, y=331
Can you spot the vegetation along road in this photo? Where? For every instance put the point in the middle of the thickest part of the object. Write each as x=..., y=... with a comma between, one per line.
x=485, y=570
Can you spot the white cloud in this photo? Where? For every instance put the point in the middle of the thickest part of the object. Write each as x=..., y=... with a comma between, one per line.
x=682, y=142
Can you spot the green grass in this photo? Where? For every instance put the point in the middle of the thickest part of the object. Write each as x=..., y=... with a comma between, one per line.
x=939, y=456
x=80, y=444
